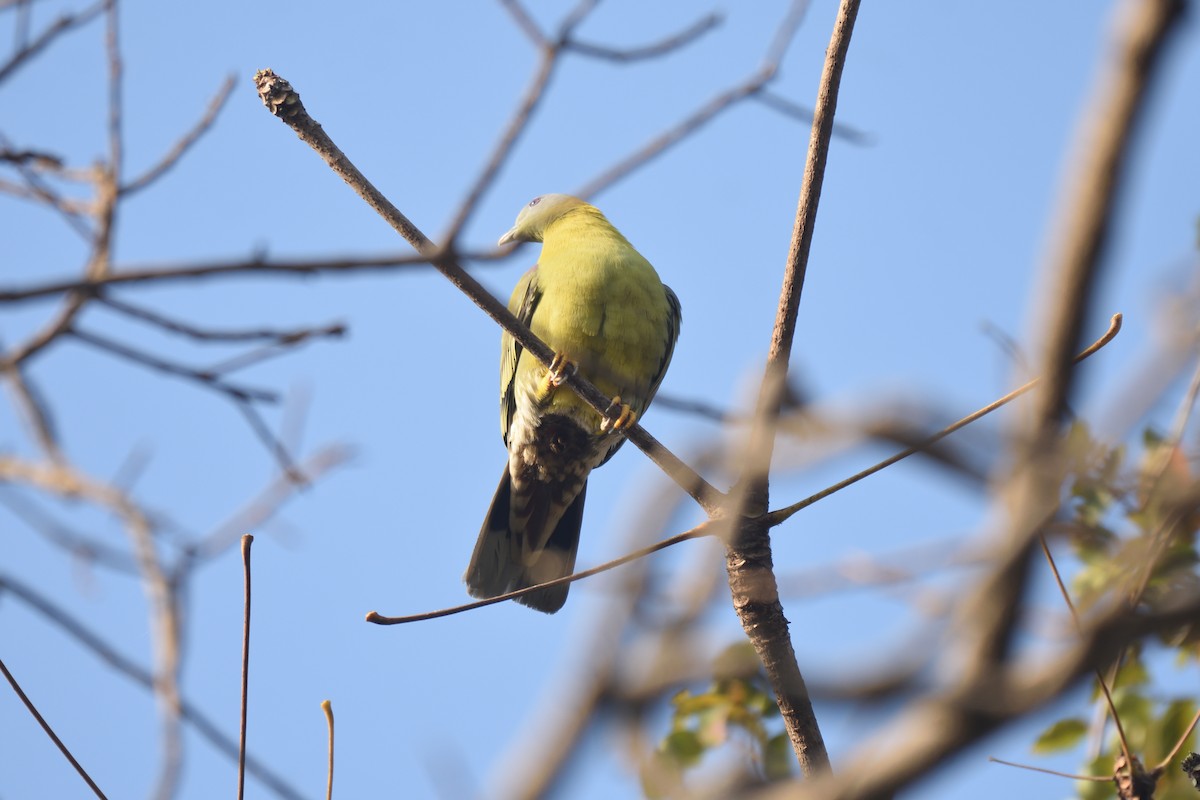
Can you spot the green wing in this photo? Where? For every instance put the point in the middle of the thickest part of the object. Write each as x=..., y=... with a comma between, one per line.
x=522, y=304
x=673, y=323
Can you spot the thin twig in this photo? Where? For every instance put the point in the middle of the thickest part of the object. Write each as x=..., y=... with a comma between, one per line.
x=1166, y=452
x=654, y=50
x=748, y=88
x=1179, y=743
x=203, y=377
x=116, y=138
x=846, y=133
x=67, y=481
x=91, y=549
x=185, y=142
x=50, y=731
x=1095, y=778
x=274, y=446
x=524, y=22
x=1066, y=596
x=335, y=329
x=38, y=190
x=60, y=26
x=255, y=514
x=781, y=515
x=698, y=532
x=785, y=34
x=283, y=345
x=247, y=540
x=248, y=268
x=193, y=714
x=36, y=411
x=39, y=158
x=327, y=707
x=508, y=140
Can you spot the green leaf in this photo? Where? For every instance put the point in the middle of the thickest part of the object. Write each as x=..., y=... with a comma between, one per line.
x=736, y=661
x=1171, y=725
x=688, y=704
x=1133, y=671
x=660, y=777
x=713, y=725
x=1062, y=735
x=1097, y=790
x=684, y=748
x=778, y=759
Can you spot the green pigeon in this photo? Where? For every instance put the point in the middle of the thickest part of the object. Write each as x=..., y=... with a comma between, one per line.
x=603, y=310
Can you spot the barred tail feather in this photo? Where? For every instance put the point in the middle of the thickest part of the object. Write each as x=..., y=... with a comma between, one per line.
x=505, y=560
x=494, y=568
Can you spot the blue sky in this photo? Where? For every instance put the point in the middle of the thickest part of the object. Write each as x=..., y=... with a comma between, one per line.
x=926, y=237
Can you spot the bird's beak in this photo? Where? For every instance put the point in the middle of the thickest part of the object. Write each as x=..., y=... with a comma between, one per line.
x=511, y=236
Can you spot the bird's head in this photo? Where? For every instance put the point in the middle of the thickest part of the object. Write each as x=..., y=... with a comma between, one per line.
x=537, y=215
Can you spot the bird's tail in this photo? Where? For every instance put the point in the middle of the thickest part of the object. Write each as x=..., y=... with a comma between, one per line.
x=506, y=559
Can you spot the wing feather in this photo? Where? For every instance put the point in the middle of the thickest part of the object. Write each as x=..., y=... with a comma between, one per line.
x=522, y=304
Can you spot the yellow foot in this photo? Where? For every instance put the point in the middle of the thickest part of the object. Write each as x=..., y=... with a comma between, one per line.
x=617, y=417
x=560, y=370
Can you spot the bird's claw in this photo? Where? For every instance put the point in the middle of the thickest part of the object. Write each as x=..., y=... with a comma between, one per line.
x=618, y=417
x=559, y=372
x=561, y=369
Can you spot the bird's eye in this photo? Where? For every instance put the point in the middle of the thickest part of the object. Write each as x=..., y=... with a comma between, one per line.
x=534, y=201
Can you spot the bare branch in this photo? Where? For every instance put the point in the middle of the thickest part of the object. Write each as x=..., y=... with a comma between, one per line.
x=781, y=515
x=272, y=442
x=36, y=411
x=327, y=708
x=550, y=53
x=256, y=512
x=575, y=18
x=60, y=26
x=189, y=712
x=116, y=110
x=516, y=126
x=205, y=378
x=36, y=158
x=66, y=481
x=101, y=243
x=654, y=50
x=77, y=544
x=700, y=531
x=38, y=190
x=247, y=268
x=785, y=34
x=525, y=22
x=185, y=142
x=247, y=540
x=748, y=556
x=846, y=133
x=749, y=87
x=277, y=337
x=50, y=731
